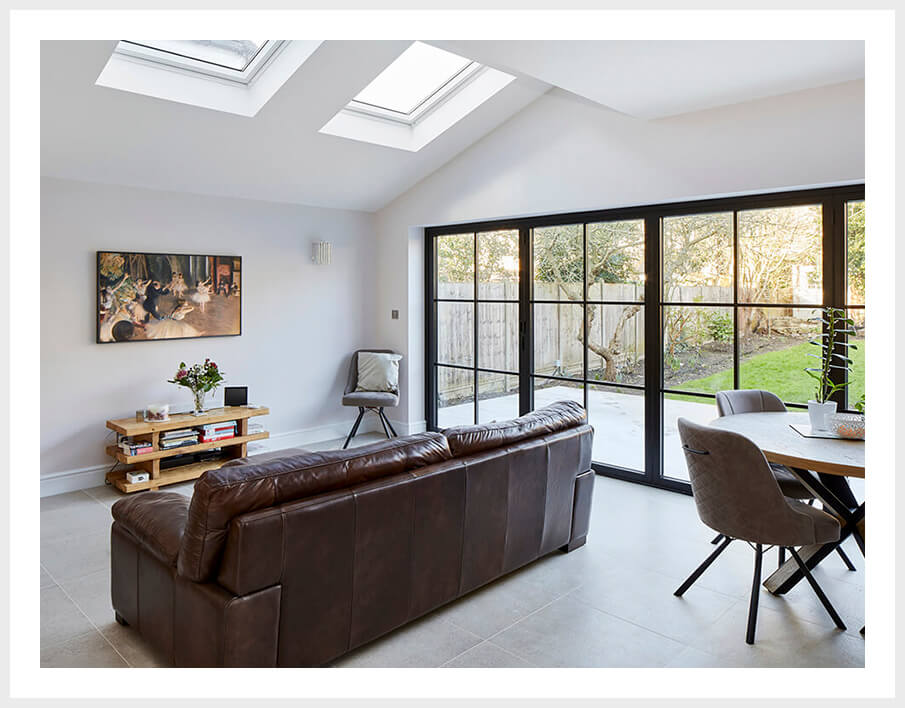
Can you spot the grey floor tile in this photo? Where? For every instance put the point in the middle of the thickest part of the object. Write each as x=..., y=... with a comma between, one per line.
x=106, y=494
x=427, y=643
x=46, y=580
x=91, y=594
x=136, y=651
x=645, y=597
x=87, y=651
x=781, y=640
x=487, y=655
x=493, y=608
x=801, y=603
x=78, y=519
x=68, y=501
x=61, y=620
x=570, y=633
x=76, y=556
x=691, y=658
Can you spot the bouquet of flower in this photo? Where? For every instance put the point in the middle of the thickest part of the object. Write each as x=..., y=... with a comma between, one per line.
x=199, y=379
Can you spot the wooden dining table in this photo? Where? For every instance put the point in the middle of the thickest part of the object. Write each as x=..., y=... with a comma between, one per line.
x=805, y=456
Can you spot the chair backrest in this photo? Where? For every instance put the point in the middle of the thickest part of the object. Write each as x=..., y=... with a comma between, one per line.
x=748, y=401
x=734, y=488
x=352, y=380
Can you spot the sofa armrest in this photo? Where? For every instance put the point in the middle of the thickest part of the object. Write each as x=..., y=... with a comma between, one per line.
x=156, y=520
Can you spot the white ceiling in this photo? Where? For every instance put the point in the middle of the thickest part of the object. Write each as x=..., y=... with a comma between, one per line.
x=664, y=78
x=104, y=135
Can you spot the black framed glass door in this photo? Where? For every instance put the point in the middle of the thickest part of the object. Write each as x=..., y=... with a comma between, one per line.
x=640, y=314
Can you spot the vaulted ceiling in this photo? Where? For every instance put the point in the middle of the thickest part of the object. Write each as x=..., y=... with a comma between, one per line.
x=104, y=135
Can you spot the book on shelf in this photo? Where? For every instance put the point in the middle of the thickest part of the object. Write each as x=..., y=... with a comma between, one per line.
x=135, y=449
x=177, y=434
x=213, y=438
x=216, y=427
x=172, y=445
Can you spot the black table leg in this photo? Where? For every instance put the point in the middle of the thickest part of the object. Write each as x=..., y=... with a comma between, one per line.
x=789, y=574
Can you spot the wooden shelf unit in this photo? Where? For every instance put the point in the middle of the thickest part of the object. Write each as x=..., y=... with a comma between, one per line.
x=234, y=447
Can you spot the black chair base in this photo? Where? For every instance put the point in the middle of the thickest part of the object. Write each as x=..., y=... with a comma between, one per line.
x=755, y=585
x=387, y=426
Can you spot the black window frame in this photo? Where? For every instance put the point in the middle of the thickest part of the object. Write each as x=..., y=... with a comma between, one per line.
x=833, y=202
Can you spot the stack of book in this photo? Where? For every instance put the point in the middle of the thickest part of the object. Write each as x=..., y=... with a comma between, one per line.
x=178, y=438
x=254, y=427
x=218, y=431
x=135, y=447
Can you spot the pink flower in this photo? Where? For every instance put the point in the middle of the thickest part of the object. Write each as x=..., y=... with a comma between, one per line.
x=213, y=365
x=181, y=374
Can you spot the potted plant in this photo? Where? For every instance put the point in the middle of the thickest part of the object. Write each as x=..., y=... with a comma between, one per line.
x=200, y=379
x=835, y=327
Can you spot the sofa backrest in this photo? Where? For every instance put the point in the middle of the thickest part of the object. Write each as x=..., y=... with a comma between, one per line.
x=470, y=439
x=357, y=562
x=223, y=494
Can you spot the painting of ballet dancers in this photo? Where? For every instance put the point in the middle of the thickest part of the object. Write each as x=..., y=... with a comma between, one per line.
x=146, y=296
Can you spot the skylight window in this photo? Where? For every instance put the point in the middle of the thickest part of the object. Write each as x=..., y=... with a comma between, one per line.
x=232, y=75
x=423, y=93
x=238, y=60
x=234, y=54
x=420, y=74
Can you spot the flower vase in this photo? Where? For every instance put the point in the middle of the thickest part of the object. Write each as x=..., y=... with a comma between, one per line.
x=818, y=413
x=198, y=397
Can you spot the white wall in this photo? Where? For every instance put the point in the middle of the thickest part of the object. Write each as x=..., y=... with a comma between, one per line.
x=299, y=321
x=563, y=153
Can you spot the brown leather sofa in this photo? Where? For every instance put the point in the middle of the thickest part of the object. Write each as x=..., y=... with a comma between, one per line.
x=297, y=559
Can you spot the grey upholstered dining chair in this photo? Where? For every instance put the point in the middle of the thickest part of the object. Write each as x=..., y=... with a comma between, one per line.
x=737, y=495
x=756, y=401
x=374, y=401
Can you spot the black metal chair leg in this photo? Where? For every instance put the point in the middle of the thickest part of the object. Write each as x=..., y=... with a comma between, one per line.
x=817, y=590
x=782, y=556
x=845, y=558
x=388, y=423
x=716, y=539
x=361, y=413
x=755, y=594
x=701, y=568
x=383, y=422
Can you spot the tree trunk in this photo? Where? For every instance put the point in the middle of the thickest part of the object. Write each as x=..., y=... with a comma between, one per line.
x=610, y=352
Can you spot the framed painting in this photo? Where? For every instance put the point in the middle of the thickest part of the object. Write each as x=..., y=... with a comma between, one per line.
x=147, y=296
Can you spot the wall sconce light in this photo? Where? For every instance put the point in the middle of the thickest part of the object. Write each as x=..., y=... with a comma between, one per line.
x=321, y=252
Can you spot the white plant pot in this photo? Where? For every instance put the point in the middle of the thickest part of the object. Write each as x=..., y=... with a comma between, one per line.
x=818, y=413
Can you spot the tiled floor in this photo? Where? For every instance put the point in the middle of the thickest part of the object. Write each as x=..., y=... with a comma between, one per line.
x=609, y=603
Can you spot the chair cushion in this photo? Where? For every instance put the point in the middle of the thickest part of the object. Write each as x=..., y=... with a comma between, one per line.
x=469, y=439
x=222, y=494
x=789, y=484
x=266, y=456
x=825, y=526
x=371, y=399
x=378, y=371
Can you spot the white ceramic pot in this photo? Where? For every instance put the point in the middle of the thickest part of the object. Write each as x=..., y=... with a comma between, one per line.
x=818, y=413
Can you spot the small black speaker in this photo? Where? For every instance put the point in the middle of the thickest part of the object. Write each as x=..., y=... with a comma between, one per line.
x=235, y=395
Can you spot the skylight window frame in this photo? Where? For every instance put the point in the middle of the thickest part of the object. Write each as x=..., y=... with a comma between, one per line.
x=437, y=97
x=185, y=64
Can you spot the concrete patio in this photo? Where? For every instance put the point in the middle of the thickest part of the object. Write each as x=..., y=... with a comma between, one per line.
x=618, y=419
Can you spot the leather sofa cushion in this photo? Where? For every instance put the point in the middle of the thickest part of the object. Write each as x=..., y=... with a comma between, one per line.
x=156, y=520
x=470, y=439
x=222, y=494
x=265, y=457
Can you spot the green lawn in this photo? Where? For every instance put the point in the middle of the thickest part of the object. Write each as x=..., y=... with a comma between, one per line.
x=782, y=373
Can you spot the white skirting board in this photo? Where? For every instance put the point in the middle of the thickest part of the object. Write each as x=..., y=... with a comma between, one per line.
x=87, y=477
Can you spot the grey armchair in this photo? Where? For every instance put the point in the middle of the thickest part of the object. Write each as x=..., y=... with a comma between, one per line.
x=756, y=401
x=737, y=495
x=365, y=401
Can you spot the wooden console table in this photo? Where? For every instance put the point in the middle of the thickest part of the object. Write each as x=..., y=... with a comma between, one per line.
x=150, y=431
